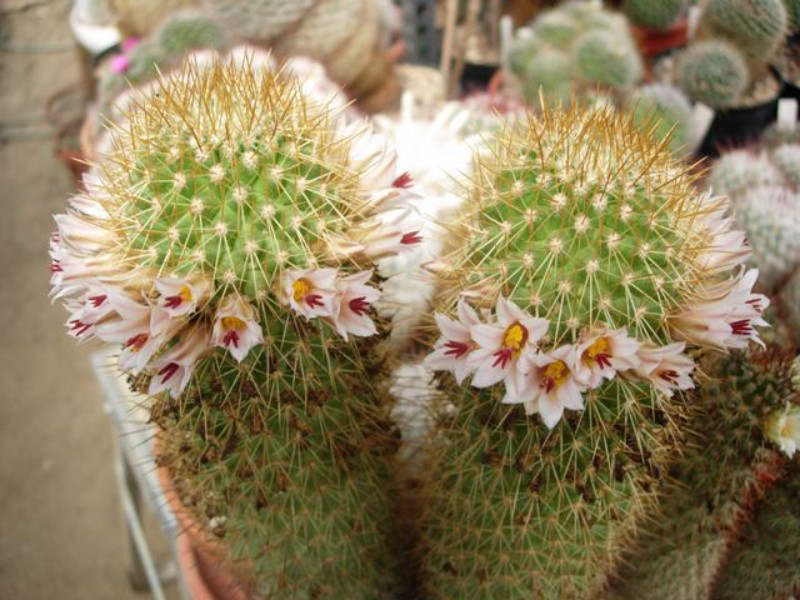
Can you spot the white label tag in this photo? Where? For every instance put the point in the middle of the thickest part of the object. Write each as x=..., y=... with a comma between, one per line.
x=702, y=116
x=694, y=21
x=787, y=114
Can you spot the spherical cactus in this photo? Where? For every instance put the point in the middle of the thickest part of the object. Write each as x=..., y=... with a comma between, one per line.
x=227, y=246
x=258, y=20
x=756, y=27
x=738, y=171
x=655, y=15
x=584, y=266
x=557, y=28
x=188, y=30
x=787, y=158
x=604, y=58
x=548, y=71
x=713, y=72
x=665, y=110
x=771, y=217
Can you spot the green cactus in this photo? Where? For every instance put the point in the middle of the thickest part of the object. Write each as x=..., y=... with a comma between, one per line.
x=573, y=221
x=787, y=157
x=726, y=467
x=261, y=20
x=738, y=171
x=665, y=111
x=792, y=15
x=713, y=72
x=764, y=564
x=188, y=30
x=575, y=48
x=231, y=206
x=605, y=58
x=756, y=27
x=655, y=15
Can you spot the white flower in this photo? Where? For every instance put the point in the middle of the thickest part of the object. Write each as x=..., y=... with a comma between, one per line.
x=387, y=233
x=236, y=327
x=725, y=314
x=312, y=292
x=667, y=368
x=174, y=368
x=503, y=343
x=370, y=156
x=82, y=235
x=726, y=247
x=93, y=308
x=355, y=299
x=546, y=384
x=181, y=295
x=783, y=428
x=601, y=353
x=451, y=352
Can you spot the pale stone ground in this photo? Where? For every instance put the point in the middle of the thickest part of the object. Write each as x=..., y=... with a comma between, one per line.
x=61, y=532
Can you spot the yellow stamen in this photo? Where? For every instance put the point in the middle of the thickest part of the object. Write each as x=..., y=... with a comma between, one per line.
x=185, y=294
x=556, y=373
x=232, y=323
x=301, y=289
x=515, y=338
x=601, y=346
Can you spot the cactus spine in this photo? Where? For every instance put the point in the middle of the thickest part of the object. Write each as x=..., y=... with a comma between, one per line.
x=226, y=244
x=574, y=224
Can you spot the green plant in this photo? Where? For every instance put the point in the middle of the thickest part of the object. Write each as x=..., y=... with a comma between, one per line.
x=667, y=113
x=727, y=466
x=655, y=15
x=594, y=264
x=756, y=27
x=187, y=30
x=572, y=48
x=227, y=244
x=713, y=72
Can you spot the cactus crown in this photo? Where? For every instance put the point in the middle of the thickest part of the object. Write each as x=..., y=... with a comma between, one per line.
x=654, y=15
x=580, y=218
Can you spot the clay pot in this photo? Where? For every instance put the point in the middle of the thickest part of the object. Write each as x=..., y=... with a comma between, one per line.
x=654, y=43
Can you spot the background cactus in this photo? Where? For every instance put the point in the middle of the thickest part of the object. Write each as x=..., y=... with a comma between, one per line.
x=226, y=245
x=655, y=15
x=756, y=27
x=667, y=113
x=763, y=189
x=580, y=221
x=188, y=30
x=713, y=72
x=725, y=469
x=575, y=47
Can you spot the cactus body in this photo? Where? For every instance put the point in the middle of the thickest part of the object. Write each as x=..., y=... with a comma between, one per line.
x=665, y=109
x=713, y=72
x=726, y=467
x=226, y=245
x=655, y=15
x=574, y=220
x=187, y=30
x=604, y=58
x=757, y=27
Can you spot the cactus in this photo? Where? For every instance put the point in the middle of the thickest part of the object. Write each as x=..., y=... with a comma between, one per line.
x=655, y=15
x=589, y=246
x=792, y=15
x=713, y=72
x=727, y=466
x=739, y=170
x=187, y=30
x=575, y=48
x=227, y=245
x=764, y=564
x=787, y=157
x=757, y=27
x=790, y=299
x=667, y=112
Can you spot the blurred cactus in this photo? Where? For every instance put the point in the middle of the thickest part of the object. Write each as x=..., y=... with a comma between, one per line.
x=737, y=39
x=227, y=245
x=792, y=15
x=713, y=72
x=584, y=264
x=188, y=30
x=763, y=190
x=664, y=110
x=655, y=15
x=575, y=47
x=727, y=466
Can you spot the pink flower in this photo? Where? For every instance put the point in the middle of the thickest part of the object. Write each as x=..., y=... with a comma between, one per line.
x=173, y=370
x=120, y=63
x=546, y=383
x=667, y=368
x=355, y=300
x=129, y=44
x=724, y=315
x=236, y=327
x=312, y=292
x=451, y=352
x=503, y=343
x=601, y=353
x=181, y=295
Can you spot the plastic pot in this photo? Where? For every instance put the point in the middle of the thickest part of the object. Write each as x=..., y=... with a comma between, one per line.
x=735, y=127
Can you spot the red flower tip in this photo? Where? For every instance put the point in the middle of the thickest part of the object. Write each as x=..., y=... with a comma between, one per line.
x=359, y=305
x=404, y=181
x=411, y=238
